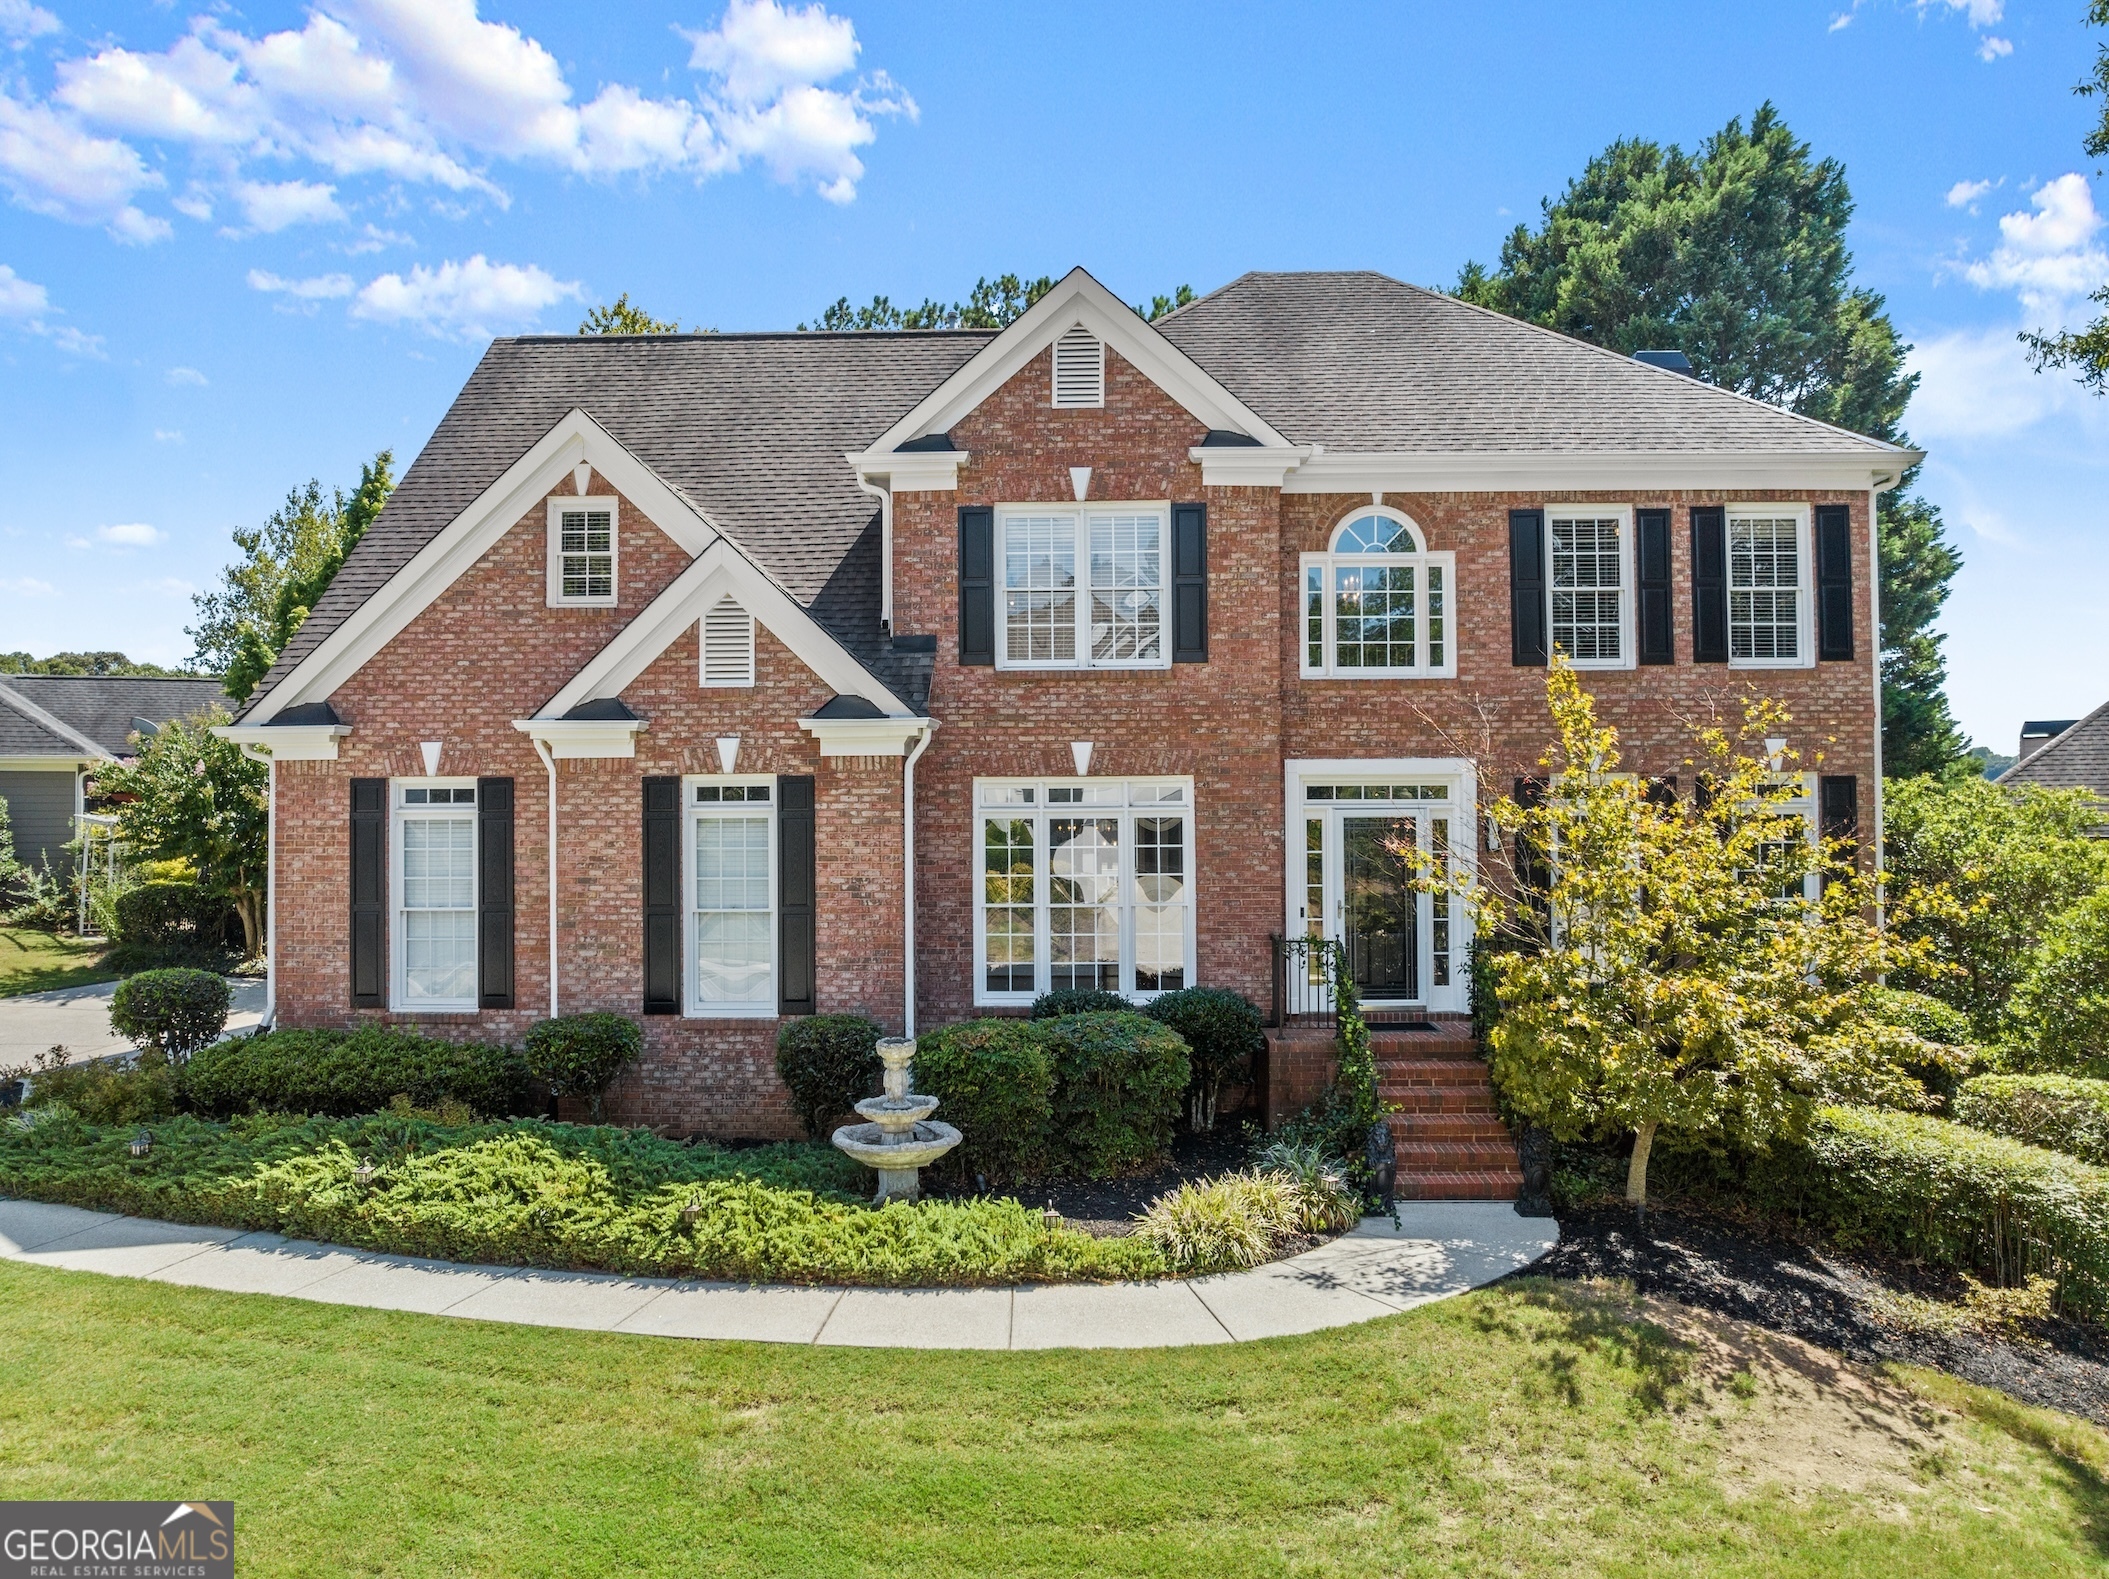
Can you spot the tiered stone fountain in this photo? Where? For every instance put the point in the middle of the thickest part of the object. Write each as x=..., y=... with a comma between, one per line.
x=899, y=1138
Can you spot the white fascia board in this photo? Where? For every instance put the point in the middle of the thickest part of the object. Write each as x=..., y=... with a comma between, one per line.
x=1249, y=465
x=53, y=725
x=469, y=536
x=1077, y=299
x=719, y=570
x=918, y=471
x=574, y=738
x=1494, y=471
x=866, y=737
x=287, y=742
x=48, y=764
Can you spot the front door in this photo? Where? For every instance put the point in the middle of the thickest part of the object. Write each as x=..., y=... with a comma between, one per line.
x=1380, y=911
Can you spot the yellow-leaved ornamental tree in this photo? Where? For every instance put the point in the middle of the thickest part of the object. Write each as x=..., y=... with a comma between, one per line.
x=1702, y=965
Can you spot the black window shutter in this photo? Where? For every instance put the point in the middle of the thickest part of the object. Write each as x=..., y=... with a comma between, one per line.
x=1709, y=584
x=662, y=895
x=1838, y=807
x=494, y=893
x=977, y=585
x=797, y=954
x=1189, y=583
x=369, y=893
x=1661, y=791
x=1657, y=640
x=1527, y=646
x=1834, y=582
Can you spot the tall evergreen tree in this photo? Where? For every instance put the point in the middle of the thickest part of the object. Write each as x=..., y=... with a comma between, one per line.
x=1736, y=256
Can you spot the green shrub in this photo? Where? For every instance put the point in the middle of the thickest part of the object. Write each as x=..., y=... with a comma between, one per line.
x=1222, y=1224
x=830, y=1062
x=170, y=1013
x=2058, y=1019
x=1077, y=1000
x=1117, y=1083
x=165, y=912
x=1222, y=1033
x=2058, y=1112
x=577, y=1055
x=343, y=1073
x=100, y=1090
x=1327, y=1202
x=1948, y=1194
x=554, y=1195
x=994, y=1080
x=1927, y=1018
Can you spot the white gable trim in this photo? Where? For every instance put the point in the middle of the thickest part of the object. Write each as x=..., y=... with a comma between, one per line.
x=1077, y=299
x=575, y=439
x=719, y=570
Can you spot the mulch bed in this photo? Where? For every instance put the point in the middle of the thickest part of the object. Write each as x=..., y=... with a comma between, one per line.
x=1107, y=1207
x=1829, y=1297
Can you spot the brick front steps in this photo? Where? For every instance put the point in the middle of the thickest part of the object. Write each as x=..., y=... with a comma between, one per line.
x=1452, y=1143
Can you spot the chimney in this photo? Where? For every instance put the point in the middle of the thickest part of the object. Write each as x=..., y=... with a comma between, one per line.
x=2040, y=732
x=1668, y=361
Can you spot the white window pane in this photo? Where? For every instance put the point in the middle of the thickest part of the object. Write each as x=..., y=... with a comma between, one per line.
x=439, y=955
x=1764, y=588
x=1126, y=588
x=1373, y=616
x=1007, y=903
x=732, y=957
x=439, y=863
x=1587, y=574
x=1314, y=617
x=1083, y=910
x=1160, y=903
x=1039, y=588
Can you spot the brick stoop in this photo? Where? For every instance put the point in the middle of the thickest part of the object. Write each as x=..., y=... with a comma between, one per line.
x=1452, y=1143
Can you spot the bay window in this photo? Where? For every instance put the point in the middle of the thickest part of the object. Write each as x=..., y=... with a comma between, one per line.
x=1082, y=884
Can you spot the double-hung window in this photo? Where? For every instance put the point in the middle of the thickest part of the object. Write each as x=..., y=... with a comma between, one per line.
x=434, y=884
x=1377, y=605
x=1589, y=584
x=1083, y=586
x=730, y=856
x=1768, y=599
x=1082, y=884
x=582, y=552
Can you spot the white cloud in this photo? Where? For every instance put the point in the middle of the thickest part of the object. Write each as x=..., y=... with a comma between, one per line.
x=75, y=343
x=1993, y=47
x=2049, y=257
x=27, y=587
x=1964, y=194
x=468, y=300
x=1842, y=20
x=164, y=586
x=1978, y=384
x=273, y=206
x=321, y=287
x=168, y=435
x=19, y=298
x=1982, y=13
x=759, y=49
x=186, y=375
x=374, y=239
x=53, y=167
x=131, y=534
x=20, y=21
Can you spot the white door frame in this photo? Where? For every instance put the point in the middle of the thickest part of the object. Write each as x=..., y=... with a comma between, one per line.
x=1454, y=773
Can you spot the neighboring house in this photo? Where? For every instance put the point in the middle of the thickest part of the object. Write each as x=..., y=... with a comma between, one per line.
x=718, y=678
x=2065, y=754
x=55, y=728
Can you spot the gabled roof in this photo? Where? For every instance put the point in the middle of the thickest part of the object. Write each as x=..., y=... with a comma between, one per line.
x=74, y=716
x=1364, y=362
x=2078, y=758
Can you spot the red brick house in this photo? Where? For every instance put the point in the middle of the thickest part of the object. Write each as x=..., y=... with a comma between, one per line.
x=718, y=678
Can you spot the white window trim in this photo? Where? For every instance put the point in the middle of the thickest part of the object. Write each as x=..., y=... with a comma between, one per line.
x=1804, y=584
x=1039, y=812
x=1082, y=510
x=1627, y=577
x=398, y=814
x=558, y=504
x=1443, y=560
x=692, y=1006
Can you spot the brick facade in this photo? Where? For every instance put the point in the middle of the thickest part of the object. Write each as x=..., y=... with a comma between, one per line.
x=489, y=651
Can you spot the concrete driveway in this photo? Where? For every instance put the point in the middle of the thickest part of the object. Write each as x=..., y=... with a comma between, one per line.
x=78, y=1019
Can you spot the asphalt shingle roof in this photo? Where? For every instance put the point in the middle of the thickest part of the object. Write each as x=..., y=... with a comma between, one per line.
x=2078, y=758
x=1363, y=362
x=101, y=707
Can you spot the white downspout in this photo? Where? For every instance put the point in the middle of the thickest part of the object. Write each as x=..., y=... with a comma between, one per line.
x=922, y=743
x=885, y=497
x=550, y=762
x=270, y=883
x=1874, y=578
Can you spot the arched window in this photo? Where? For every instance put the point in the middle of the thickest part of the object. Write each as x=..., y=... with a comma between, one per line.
x=1377, y=604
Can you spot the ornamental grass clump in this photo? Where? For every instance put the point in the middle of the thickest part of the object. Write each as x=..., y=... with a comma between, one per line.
x=1223, y=1224
x=2058, y=1112
x=1327, y=1201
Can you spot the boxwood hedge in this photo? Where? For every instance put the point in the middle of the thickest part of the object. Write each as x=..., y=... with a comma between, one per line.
x=994, y=1079
x=2061, y=1112
x=342, y=1073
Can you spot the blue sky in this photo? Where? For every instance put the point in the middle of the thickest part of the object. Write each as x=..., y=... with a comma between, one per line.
x=242, y=247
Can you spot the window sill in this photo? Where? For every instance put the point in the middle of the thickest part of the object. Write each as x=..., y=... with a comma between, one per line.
x=1378, y=674
x=583, y=603
x=718, y=1011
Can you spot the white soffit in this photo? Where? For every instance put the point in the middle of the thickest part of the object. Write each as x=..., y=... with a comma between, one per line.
x=575, y=439
x=866, y=737
x=1539, y=471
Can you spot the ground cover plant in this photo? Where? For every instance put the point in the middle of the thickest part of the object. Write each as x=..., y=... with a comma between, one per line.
x=1530, y=1429
x=556, y=1195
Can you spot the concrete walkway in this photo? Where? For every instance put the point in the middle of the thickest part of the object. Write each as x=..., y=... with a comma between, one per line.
x=78, y=1019
x=1441, y=1248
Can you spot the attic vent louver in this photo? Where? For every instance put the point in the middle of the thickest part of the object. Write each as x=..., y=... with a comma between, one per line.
x=728, y=645
x=1079, y=368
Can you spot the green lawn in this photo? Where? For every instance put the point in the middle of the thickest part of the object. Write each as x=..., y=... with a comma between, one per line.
x=1529, y=1430
x=32, y=961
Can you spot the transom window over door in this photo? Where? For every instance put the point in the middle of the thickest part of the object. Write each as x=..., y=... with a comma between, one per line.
x=435, y=891
x=1083, y=587
x=1767, y=604
x=1588, y=585
x=1378, y=605
x=582, y=551
x=1082, y=885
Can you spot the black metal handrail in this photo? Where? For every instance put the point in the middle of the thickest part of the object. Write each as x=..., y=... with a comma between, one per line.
x=1303, y=981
